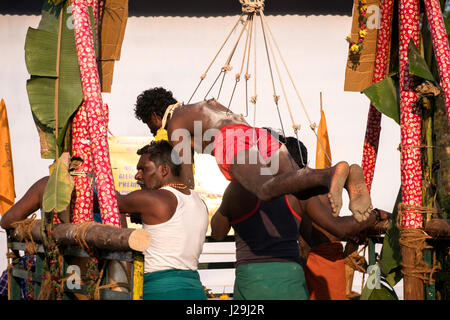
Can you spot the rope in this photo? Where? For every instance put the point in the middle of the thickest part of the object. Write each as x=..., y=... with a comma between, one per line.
x=255, y=6
x=80, y=231
x=295, y=126
x=356, y=261
x=23, y=230
x=203, y=76
x=421, y=146
x=248, y=23
x=275, y=96
x=227, y=66
x=98, y=287
x=247, y=75
x=278, y=72
x=252, y=8
x=408, y=208
x=415, y=239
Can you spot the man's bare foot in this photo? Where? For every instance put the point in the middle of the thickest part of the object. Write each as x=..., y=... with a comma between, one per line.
x=338, y=179
x=360, y=203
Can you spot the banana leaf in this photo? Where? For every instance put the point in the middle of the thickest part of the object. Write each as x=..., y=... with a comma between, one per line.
x=384, y=96
x=375, y=289
x=417, y=64
x=58, y=192
x=382, y=293
x=42, y=51
x=390, y=256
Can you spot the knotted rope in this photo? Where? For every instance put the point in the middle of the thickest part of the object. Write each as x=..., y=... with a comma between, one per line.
x=358, y=262
x=79, y=233
x=249, y=6
x=415, y=239
x=23, y=231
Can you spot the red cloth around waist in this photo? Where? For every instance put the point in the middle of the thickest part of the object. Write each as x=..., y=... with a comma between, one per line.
x=232, y=139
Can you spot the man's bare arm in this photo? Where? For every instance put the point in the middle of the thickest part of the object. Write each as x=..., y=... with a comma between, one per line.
x=133, y=202
x=341, y=227
x=28, y=204
x=220, y=226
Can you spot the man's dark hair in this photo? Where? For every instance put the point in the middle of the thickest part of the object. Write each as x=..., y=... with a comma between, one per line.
x=276, y=134
x=153, y=100
x=292, y=146
x=161, y=152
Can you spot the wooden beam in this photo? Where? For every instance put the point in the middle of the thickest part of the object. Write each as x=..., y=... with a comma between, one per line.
x=101, y=236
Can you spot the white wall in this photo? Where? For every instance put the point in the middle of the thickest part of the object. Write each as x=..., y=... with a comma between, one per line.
x=174, y=51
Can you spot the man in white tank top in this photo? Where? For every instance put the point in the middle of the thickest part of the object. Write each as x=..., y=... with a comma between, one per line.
x=177, y=220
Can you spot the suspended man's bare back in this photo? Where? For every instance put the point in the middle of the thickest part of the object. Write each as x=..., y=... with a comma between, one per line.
x=288, y=179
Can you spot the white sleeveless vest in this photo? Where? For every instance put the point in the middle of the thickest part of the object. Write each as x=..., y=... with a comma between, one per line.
x=178, y=242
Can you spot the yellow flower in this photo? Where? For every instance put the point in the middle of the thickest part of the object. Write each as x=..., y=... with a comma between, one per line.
x=354, y=48
x=161, y=134
x=224, y=297
x=362, y=33
x=363, y=8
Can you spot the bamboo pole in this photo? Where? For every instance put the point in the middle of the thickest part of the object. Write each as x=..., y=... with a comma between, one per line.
x=373, y=128
x=95, y=114
x=441, y=47
x=411, y=173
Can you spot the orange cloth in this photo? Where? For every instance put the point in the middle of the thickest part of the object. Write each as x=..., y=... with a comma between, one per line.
x=322, y=161
x=7, y=193
x=325, y=272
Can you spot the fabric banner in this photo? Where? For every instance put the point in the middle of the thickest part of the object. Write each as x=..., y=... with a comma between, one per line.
x=95, y=113
x=112, y=31
x=411, y=170
x=373, y=127
x=360, y=65
x=323, y=144
x=7, y=191
x=83, y=206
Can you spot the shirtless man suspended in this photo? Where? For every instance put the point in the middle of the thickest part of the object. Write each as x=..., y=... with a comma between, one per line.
x=250, y=156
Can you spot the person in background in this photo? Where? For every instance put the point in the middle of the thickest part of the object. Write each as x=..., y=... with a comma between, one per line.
x=268, y=264
x=177, y=220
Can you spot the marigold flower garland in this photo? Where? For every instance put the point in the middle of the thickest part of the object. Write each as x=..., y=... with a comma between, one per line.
x=356, y=47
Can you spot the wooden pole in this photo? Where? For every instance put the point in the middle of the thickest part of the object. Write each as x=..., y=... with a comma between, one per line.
x=101, y=236
x=436, y=228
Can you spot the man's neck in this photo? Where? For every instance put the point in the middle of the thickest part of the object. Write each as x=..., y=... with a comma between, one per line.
x=173, y=181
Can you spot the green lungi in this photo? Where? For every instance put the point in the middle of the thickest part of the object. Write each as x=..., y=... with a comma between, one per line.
x=270, y=281
x=173, y=284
